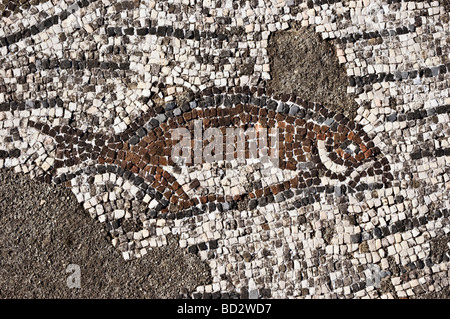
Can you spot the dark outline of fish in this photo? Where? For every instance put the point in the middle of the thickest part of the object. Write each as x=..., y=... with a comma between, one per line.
x=139, y=156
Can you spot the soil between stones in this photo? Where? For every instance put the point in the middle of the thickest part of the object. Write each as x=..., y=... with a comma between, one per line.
x=44, y=230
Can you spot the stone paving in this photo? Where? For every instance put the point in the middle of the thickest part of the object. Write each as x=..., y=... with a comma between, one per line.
x=92, y=91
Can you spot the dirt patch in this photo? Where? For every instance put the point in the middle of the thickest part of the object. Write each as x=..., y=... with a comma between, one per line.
x=445, y=4
x=131, y=225
x=386, y=286
x=393, y=266
x=364, y=247
x=327, y=234
x=307, y=66
x=179, y=97
x=441, y=294
x=44, y=230
x=439, y=249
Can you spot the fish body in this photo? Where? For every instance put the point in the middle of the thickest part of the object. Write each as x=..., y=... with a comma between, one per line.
x=314, y=147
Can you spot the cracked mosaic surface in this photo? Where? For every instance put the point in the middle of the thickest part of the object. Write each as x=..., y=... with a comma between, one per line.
x=358, y=204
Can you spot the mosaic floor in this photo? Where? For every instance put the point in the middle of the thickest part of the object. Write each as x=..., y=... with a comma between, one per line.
x=356, y=203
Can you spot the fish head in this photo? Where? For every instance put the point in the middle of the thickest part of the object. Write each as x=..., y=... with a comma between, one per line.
x=350, y=155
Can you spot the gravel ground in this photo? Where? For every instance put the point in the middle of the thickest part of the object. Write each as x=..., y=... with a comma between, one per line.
x=44, y=230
